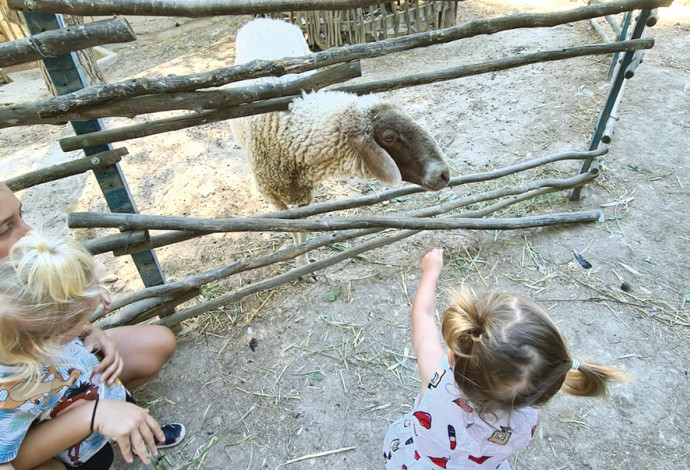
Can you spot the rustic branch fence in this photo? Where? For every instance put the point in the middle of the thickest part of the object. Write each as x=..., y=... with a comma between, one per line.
x=61, y=41
x=84, y=104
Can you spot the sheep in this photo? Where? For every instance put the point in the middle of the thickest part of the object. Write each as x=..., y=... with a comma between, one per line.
x=327, y=133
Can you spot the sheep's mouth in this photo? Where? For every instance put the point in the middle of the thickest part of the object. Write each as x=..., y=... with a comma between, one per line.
x=436, y=183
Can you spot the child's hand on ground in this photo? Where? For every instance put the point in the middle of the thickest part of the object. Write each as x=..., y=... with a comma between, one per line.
x=432, y=263
x=111, y=364
x=131, y=427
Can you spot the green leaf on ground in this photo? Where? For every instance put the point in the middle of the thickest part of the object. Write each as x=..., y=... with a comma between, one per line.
x=333, y=294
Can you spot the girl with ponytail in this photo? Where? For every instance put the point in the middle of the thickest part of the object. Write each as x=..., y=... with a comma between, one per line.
x=479, y=400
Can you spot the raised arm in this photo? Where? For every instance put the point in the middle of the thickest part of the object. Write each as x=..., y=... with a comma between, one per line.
x=426, y=339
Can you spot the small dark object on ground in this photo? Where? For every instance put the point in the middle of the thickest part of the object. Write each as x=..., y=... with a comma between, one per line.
x=583, y=262
x=253, y=343
x=625, y=287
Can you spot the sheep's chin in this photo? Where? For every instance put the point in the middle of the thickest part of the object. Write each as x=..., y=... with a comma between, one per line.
x=434, y=187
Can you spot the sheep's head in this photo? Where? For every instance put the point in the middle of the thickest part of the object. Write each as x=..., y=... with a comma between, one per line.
x=415, y=153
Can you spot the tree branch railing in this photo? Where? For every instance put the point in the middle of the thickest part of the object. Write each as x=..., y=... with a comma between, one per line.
x=296, y=273
x=517, y=195
x=256, y=69
x=29, y=113
x=514, y=194
x=289, y=253
x=122, y=243
x=187, y=8
x=63, y=170
x=247, y=224
x=37, y=113
x=62, y=41
x=281, y=103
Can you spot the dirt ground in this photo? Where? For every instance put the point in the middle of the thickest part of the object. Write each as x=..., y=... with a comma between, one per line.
x=330, y=363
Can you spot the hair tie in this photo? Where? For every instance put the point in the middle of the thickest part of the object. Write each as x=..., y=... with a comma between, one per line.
x=576, y=365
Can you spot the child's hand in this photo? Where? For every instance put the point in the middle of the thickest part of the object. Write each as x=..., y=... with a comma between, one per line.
x=130, y=426
x=111, y=364
x=432, y=263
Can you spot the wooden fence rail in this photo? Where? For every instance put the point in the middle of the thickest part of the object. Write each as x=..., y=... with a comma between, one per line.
x=285, y=254
x=62, y=41
x=47, y=112
x=125, y=242
x=189, y=8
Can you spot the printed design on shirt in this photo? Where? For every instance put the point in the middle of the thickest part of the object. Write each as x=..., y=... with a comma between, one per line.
x=479, y=460
x=407, y=423
x=416, y=455
x=451, y=437
x=423, y=418
x=440, y=461
x=14, y=394
x=395, y=444
x=534, y=429
x=436, y=378
x=78, y=394
x=464, y=404
x=408, y=442
x=501, y=437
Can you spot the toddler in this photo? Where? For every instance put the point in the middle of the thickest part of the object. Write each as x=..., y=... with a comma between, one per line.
x=479, y=401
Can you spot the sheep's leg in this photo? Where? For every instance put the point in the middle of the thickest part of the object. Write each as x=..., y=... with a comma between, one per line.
x=300, y=237
x=297, y=237
x=303, y=259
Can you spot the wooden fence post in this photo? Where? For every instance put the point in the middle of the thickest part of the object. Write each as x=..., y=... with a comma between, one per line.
x=612, y=97
x=66, y=75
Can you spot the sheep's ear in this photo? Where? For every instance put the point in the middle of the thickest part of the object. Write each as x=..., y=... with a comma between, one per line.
x=378, y=162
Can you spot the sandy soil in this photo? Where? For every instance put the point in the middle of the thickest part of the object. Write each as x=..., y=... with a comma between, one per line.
x=330, y=374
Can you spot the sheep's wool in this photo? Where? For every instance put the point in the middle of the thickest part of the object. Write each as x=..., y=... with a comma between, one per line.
x=291, y=152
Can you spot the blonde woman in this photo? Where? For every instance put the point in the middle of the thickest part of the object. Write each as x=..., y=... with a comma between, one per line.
x=479, y=401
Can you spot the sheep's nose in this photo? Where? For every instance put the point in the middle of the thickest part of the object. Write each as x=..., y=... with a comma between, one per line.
x=445, y=176
x=437, y=181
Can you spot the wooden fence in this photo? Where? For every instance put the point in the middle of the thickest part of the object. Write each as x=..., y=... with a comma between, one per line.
x=83, y=105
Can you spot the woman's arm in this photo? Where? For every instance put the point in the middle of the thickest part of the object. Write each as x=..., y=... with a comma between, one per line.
x=425, y=336
x=47, y=439
x=130, y=426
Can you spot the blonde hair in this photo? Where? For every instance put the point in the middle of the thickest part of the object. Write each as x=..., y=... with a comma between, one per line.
x=509, y=354
x=48, y=285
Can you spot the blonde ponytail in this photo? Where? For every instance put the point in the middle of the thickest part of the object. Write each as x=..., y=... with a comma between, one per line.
x=590, y=380
x=53, y=269
x=462, y=323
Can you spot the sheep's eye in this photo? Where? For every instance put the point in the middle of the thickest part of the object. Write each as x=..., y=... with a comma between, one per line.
x=389, y=137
